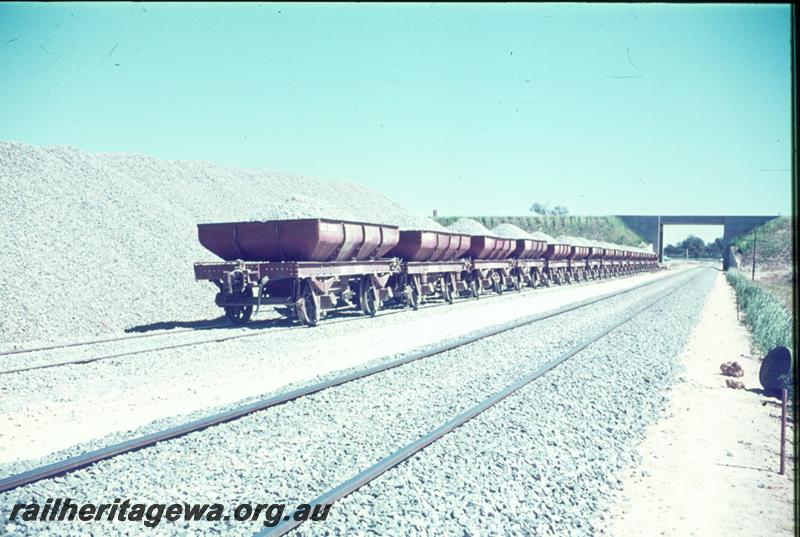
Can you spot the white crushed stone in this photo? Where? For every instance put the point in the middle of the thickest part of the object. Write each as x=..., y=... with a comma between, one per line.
x=539, y=462
x=545, y=460
x=510, y=231
x=95, y=243
x=468, y=226
x=539, y=235
x=573, y=241
x=89, y=401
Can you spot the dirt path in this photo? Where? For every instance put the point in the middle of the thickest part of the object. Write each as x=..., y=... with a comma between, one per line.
x=710, y=466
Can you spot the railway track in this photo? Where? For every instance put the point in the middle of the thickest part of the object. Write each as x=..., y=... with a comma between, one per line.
x=87, y=459
x=90, y=342
x=368, y=475
x=253, y=330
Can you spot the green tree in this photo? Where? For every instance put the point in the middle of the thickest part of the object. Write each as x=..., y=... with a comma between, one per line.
x=540, y=208
x=696, y=248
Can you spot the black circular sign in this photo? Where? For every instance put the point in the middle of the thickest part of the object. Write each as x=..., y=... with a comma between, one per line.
x=776, y=370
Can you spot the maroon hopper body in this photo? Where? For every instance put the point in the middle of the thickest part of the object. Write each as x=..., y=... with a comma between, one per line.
x=596, y=252
x=422, y=245
x=555, y=252
x=578, y=253
x=489, y=247
x=529, y=249
x=311, y=239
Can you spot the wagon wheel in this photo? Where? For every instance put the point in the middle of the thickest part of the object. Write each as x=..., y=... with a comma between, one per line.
x=515, y=282
x=308, y=306
x=497, y=286
x=475, y=287
x=368, y=297
x=411, y=293
x=448, y=288
x=411, y=296
x=533, y=279
x=239, y=314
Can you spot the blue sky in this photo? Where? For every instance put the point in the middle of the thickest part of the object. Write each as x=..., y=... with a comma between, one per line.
x=468, y=109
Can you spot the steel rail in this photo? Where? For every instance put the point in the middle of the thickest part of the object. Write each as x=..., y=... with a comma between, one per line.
x=220, y=339
x=78, y=462
x=209, y=326
x=359, y=480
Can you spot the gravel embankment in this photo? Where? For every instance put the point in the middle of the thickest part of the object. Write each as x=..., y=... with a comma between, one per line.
x=109, y=239
x=296, y=451
x=545, y=460
x=89, y=401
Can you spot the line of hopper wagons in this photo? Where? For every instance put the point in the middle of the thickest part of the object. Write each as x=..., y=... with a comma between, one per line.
x=309, y=267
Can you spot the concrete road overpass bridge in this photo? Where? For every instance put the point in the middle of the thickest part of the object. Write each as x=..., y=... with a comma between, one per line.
x=651, y=228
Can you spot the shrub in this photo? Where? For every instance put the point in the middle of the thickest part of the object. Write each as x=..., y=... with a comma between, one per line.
x=770, y=322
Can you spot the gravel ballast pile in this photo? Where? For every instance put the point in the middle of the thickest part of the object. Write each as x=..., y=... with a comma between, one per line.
x=538, y=235
x=468, y=226
x=96, y=243
x=510, y=231
x=573, y=241
x=300, y=449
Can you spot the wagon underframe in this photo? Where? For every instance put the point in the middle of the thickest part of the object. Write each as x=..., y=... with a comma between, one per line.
x=308, y=288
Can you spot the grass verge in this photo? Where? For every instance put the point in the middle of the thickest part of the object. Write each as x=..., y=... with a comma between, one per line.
x=764, y=313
